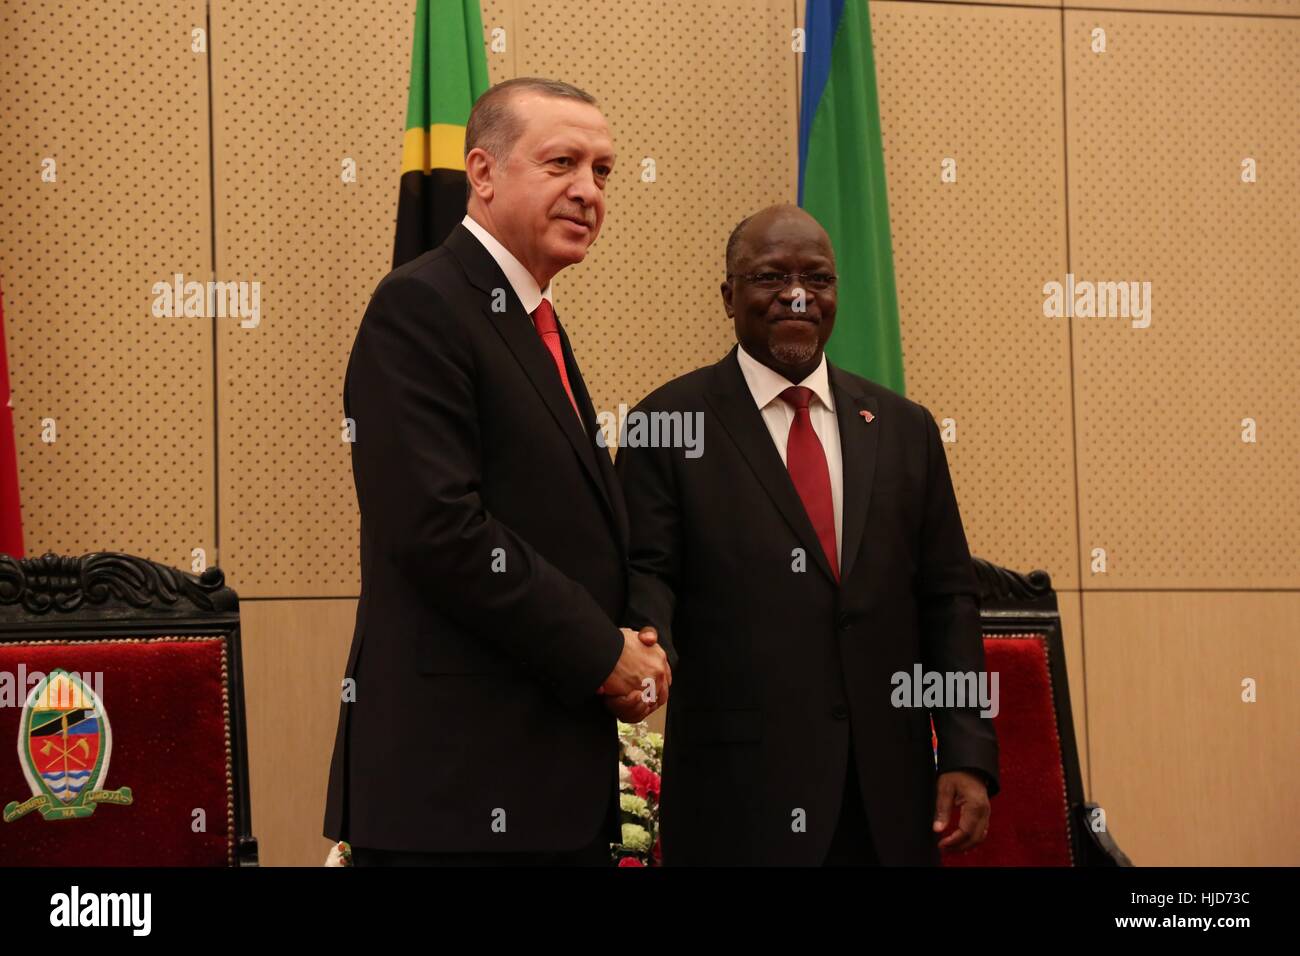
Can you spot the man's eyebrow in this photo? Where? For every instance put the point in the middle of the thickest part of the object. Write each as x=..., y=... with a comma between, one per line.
x=557, y=144
x=765, y=258
x=568, y=146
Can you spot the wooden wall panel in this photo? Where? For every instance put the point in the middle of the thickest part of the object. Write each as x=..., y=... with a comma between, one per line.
x=1271, y=8
x=971, y=257
x=1159, y=127
x=299, y=87
x=1055, y=4
x=1188, y=773
x=295, y=652
x=114, y=97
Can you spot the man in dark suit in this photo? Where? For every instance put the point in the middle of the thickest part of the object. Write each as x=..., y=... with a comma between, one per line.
x=810, y=554
x=493, y=532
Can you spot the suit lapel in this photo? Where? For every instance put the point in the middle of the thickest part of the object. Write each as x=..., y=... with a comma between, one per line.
x=516, y=328
x=858, y=449
x=613, y=491
x=733, y=403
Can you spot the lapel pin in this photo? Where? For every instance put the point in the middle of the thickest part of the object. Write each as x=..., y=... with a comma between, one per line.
x=867, y=416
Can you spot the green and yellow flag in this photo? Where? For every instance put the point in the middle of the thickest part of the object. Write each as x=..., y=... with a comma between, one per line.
x=448, y=73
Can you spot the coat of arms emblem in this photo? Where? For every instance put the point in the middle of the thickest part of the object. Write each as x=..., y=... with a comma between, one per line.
x=64, y=743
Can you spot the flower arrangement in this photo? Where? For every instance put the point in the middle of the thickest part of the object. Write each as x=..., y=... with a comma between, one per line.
x=640, y=761
x=340, y=855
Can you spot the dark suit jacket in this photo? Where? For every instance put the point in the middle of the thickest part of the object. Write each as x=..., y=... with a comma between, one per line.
x=493, y=568
x=776, y=670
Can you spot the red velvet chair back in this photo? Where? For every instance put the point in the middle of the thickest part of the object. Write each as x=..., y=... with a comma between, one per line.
x=1039, y=816
x=121, y=715
x=1030, y=825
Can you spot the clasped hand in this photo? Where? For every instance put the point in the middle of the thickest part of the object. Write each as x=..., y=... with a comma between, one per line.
x=638, y=685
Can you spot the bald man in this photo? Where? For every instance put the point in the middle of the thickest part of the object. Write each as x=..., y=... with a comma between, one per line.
x=808, y=556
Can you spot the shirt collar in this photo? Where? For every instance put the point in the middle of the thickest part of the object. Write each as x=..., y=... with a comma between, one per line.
x=766, y=385
x=520, y=279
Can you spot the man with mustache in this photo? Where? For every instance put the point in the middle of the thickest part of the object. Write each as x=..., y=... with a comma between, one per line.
x=486, y=665
x=810, y=553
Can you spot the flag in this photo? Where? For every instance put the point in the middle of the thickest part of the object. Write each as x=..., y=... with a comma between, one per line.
x=448, y=73
x=842, y=185
x=11, y=515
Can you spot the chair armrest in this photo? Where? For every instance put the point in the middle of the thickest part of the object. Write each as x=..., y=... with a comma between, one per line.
x=246, y=854
x=1099, y=848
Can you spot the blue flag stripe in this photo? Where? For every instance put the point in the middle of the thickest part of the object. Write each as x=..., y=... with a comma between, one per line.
x=821, y=21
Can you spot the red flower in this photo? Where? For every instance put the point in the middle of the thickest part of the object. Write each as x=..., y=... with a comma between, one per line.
x=644, y=781
x=657, y=854
x=630, y=861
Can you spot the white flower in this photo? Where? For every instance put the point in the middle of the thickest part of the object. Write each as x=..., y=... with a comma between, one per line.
x=636, y=837
x=624, y=773
x=631, y=803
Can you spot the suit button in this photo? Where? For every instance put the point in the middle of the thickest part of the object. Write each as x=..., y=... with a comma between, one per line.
x=840, y=712
x=845, y=623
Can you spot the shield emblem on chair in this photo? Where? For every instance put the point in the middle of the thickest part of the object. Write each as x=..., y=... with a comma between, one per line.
x=64, y=745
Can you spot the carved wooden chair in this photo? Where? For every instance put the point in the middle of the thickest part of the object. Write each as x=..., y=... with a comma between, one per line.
x=122, y=739
x=1040, y=817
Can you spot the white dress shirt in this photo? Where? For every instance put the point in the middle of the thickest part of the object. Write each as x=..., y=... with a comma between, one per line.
x=520, y=279
x=766, y=386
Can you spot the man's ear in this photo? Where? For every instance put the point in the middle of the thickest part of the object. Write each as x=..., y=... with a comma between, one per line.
x=726, y=299
x=479, y=167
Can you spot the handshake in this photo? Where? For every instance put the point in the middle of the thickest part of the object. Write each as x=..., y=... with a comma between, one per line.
x=638, y=685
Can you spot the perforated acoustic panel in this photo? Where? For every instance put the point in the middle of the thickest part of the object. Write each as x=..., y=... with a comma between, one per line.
x=1276, y=8
x=1160, y=127
x=1056, y=4
x=104, y=179
x=300, y=89
x=1280, y=8
x=971, y=257
x=706, y=92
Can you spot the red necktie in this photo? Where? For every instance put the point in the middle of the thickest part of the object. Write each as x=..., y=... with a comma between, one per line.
x=544, y=320
x=805, y=459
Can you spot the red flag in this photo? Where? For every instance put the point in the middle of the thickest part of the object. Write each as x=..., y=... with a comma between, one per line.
x=11, y=515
